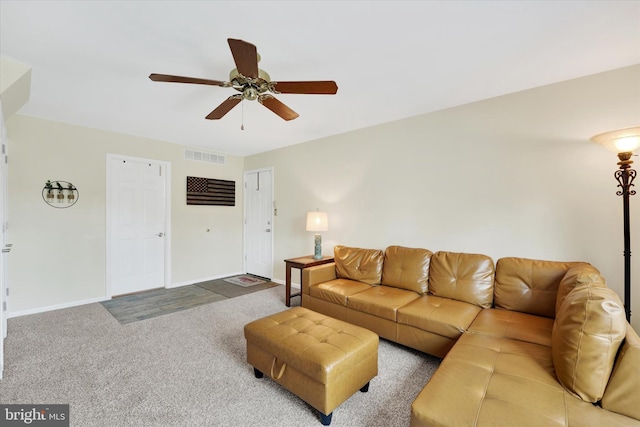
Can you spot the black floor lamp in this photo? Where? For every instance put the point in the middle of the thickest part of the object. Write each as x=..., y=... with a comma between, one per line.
x=624, y=142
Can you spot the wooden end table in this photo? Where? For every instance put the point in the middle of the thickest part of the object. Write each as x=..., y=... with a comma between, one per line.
x=300, y=263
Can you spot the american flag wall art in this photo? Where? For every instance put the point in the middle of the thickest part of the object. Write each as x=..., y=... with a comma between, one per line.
x=211, y=192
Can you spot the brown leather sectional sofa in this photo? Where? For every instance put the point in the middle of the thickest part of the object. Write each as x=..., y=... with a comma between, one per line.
x=524, y=342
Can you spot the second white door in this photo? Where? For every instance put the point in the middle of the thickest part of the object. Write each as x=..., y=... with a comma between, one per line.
x=258, y=223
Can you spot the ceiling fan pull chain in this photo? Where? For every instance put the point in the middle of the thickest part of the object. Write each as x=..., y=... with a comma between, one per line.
x=242, y=124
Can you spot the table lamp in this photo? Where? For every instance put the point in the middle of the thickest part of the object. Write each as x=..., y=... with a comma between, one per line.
x=317, y=221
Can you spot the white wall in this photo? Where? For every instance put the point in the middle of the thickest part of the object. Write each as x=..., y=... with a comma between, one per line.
x=58, y=255
x=509, y=176
x=15, y=85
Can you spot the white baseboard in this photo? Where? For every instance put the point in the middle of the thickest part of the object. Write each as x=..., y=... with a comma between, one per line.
x=203, y=279
x=54, y=307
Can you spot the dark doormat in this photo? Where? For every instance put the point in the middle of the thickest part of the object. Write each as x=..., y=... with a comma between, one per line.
x=230, y=290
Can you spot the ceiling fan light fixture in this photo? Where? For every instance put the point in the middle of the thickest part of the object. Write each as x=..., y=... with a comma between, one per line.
x=250, y=93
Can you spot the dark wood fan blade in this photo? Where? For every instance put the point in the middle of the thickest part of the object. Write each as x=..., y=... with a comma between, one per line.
x=225, y=107
x=277, y=107
x=322, y=87
x=245, y=56
x=180, y=79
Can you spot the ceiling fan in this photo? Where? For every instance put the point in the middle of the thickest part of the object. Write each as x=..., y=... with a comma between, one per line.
x=253, y=83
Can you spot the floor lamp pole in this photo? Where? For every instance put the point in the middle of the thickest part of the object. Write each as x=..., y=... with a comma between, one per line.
x=625, y=176
x=624, y=142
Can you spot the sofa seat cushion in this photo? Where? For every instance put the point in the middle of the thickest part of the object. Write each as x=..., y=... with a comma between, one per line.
x=338, y=290
x=514, y=325
x=406, y=268
x=443, y=316
x=381, y=301
x=494, y=381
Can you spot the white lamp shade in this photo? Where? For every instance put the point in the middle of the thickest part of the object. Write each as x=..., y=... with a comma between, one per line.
x=317, y=221
x=620, y=141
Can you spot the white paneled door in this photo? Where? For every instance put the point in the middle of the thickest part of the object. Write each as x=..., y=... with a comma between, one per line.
x=258, y=222
x=3, y=238
x=137, y=225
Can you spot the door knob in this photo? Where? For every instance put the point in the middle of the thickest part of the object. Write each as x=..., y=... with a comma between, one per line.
x=160, y=234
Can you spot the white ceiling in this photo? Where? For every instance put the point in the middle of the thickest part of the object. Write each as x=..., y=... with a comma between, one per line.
x=391, y=59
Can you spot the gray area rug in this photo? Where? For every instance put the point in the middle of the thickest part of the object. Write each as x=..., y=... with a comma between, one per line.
x=158, y=302
x=182, y=369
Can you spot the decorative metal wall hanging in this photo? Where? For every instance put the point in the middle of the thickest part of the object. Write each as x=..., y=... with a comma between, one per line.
x=211, y=192
x=60, y=194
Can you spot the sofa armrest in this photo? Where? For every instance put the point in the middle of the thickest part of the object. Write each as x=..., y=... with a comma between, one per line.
x=318, y=274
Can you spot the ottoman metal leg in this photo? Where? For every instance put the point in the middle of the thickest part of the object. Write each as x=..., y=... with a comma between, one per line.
x=257, y=373
x=325, y=419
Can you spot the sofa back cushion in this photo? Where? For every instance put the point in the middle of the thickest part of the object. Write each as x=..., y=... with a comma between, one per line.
x=406, y=268
x=587, y=333
x=528, y=285
x=576, y=276
x=462, y=277
x=622, y=394
x=363, y=265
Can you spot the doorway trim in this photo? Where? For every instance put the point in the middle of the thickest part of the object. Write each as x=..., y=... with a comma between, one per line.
x=4, y=261
x=244, y=216
x=167, y=218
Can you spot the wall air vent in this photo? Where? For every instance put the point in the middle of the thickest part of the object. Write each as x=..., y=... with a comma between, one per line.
x=201, y=156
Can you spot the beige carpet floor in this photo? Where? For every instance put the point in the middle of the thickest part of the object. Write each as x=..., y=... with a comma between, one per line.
x=182, y=369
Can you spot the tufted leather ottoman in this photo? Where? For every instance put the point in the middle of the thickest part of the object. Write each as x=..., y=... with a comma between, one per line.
x=320, y=359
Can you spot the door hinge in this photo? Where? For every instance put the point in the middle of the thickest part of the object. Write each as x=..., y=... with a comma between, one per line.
x=4, y=306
